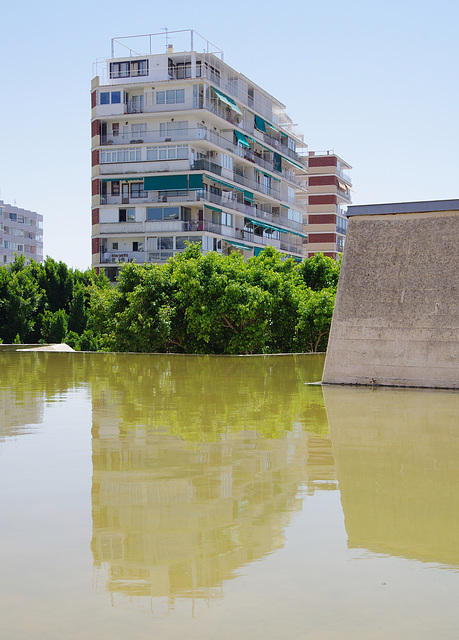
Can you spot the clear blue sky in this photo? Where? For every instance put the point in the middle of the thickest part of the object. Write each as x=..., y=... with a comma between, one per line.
x=375, y=81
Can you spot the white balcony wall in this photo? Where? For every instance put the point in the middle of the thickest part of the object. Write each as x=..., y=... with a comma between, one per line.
x=153, y=166
x=108, y=215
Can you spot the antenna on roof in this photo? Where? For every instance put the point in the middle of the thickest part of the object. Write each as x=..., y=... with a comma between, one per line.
x=167, y=38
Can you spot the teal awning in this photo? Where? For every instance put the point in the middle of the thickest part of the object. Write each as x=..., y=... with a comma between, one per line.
x=277, y=162
x=248, y=195
x=295, y=164
x=229, y=101
x=239, y=245
x=260, y=124
x=224, y=184
x=166, y=183
x=271, y=127
x=212, y=208
x=242, y=139
x=195, y=181
x=265, y=225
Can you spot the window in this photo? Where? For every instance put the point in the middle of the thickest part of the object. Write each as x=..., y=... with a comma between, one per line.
x=126, y=154
x=126, y=215
x=181, y=241
x=227, y=161
x=114, y=97
x=137, y=190
x=166, y=243
x=227, y=219
x=13, y=216
x=166, y=213
x=171, y=152
x=177, y=129
x=291, y=194
x=115, y=128
x=172, y=96
x=116, y=188
x=223, y=218
x=115, y=246
x=137, y=246
x=297, y=216
x=171, y=213
x=139, y=129
x=119, y=70
x=139, y=68
x=183, y=70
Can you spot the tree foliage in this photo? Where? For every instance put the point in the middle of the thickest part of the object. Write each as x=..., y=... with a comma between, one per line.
x=194, y=303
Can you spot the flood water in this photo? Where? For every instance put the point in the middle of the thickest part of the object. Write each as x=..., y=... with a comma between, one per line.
x=170, y=497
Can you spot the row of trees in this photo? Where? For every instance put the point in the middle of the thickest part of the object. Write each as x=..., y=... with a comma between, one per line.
x=192, y=304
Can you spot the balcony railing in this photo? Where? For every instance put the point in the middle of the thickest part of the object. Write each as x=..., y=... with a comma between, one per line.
x=201, y=195
x=195, y=135
x=227, y=114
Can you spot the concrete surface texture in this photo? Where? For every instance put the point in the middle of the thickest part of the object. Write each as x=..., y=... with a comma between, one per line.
x=396, y=317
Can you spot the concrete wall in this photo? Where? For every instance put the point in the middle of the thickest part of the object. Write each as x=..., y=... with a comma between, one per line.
x=396, y=317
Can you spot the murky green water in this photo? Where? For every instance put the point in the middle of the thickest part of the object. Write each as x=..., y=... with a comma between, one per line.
x=222, y=497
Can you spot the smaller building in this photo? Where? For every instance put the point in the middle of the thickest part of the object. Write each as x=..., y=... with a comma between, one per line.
x=21, y=232
x=329, y=194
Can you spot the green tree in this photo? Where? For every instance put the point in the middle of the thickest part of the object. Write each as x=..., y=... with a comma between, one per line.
x=54, y=326
x=320, y=272
x=315, y=316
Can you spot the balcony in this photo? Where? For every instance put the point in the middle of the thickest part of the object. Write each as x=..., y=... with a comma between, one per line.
x=206, y=165
x=196, y=135
x=200, y=195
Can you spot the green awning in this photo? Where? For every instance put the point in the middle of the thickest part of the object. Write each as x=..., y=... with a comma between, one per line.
x=260, y=124
x=239, y=245
x=212, y=208
x=295, y=164
x=195, y=181
x=166, y=183
x=271, y=127
x=248, y=195
x=242, y=139
x=277, y=162
x=265, y=225
x=229, y=101
x=224, y=184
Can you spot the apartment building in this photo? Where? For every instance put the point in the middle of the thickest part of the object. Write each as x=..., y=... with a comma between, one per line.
x=329, y=194
x=186, y=149
x=21, y=232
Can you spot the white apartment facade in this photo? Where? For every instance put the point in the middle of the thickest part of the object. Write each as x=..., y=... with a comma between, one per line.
x=186, y=149
x=21, y=232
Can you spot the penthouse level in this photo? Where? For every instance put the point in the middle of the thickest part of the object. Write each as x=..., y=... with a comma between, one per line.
x=185, y=148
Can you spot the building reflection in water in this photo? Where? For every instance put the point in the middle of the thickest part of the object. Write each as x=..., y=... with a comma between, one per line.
x=198, y=466
x=397, y=463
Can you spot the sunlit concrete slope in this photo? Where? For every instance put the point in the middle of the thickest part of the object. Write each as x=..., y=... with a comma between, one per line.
x=396, y=316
